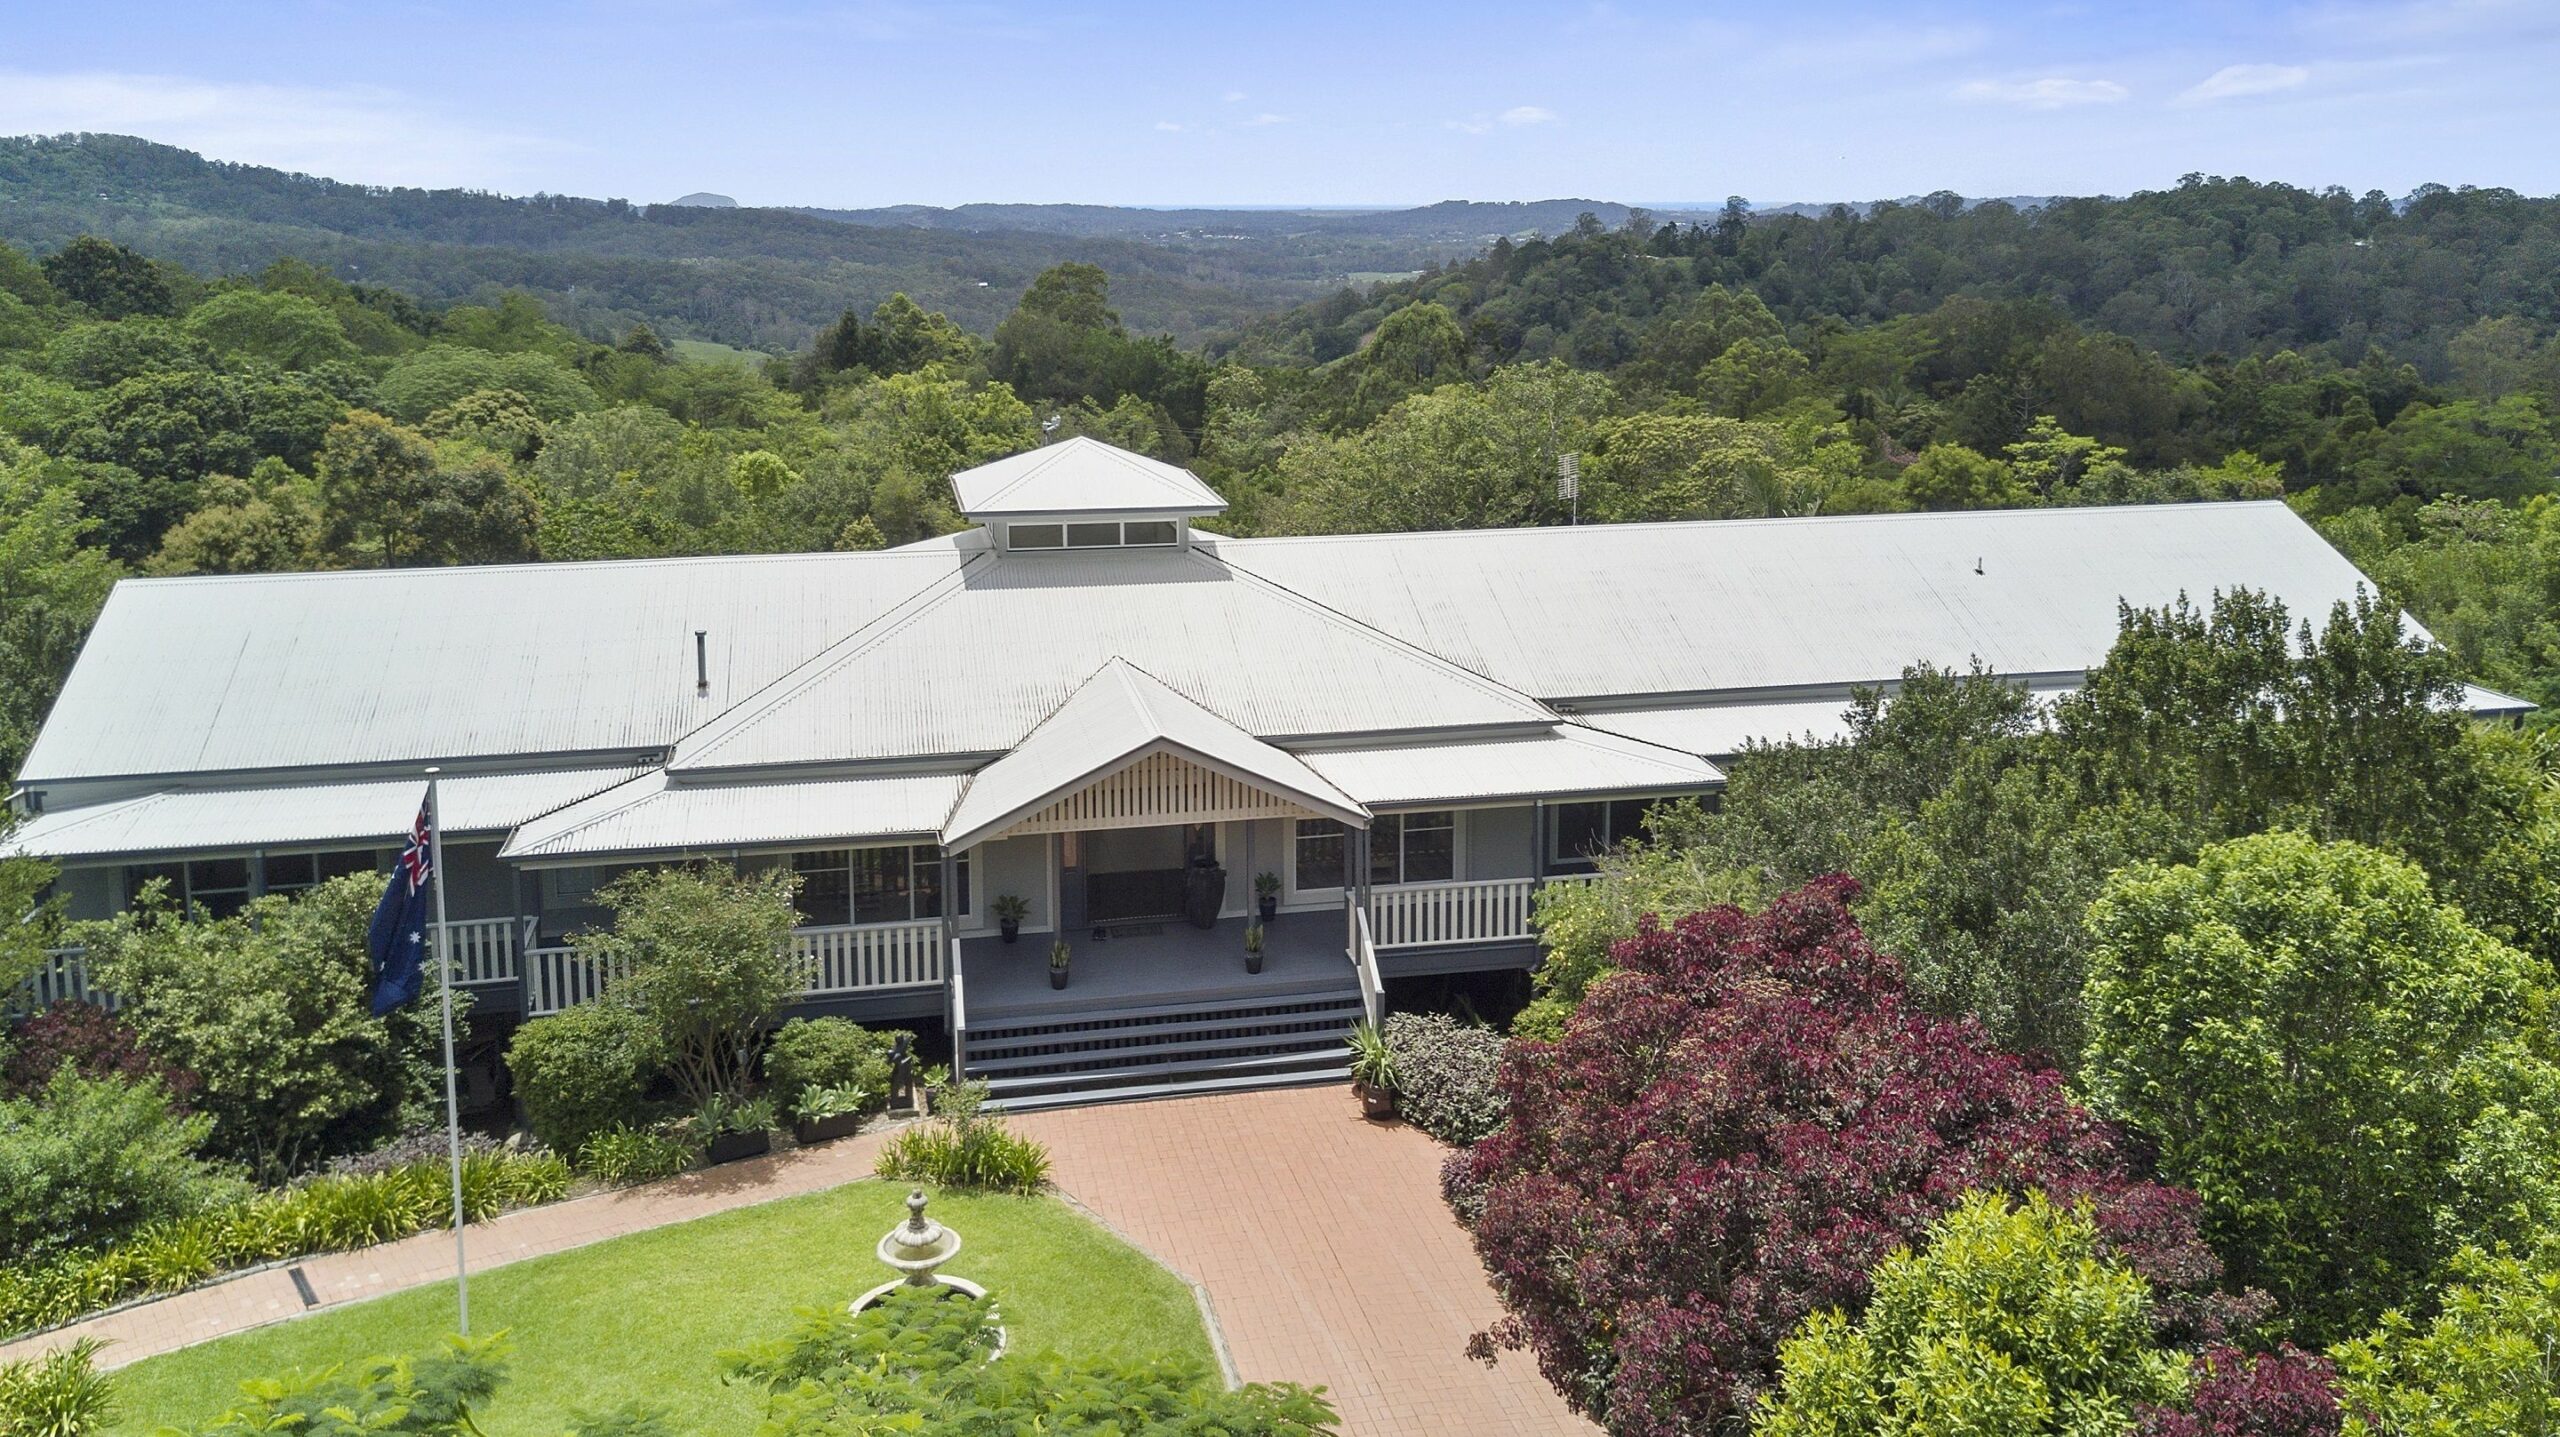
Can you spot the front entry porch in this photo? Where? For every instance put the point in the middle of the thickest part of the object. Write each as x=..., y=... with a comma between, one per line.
x=1153, y=965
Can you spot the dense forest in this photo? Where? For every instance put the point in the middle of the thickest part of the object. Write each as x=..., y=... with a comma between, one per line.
x=2391, y=369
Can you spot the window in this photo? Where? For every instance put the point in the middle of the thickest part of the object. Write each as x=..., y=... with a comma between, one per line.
x=1320, y=850
x=217, y=887
x=875, y=885
x=1582, y=831
x=1094, y=534
x=294, y=872
x=1403, y=848
x=568, y=888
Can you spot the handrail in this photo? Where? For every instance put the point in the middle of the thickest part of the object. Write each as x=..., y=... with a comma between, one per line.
x=1364, y=960
x=959, y=1014
x=1479, y=910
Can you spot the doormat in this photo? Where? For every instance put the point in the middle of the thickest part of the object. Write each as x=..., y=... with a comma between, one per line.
x=1143, y=928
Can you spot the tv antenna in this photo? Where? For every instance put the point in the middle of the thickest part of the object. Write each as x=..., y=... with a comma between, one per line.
x=1569, y=483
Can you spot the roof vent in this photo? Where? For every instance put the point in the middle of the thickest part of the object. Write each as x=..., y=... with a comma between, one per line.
x=702, y=663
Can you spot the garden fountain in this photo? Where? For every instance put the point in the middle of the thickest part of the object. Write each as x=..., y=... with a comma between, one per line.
x=917, y=1249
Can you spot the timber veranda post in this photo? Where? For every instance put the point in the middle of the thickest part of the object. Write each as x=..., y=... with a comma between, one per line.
x=452, y=1099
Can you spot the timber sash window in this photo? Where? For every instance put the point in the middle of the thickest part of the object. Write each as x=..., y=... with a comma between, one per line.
x=1583, y=831
x=875, y=885
x=1403, y=848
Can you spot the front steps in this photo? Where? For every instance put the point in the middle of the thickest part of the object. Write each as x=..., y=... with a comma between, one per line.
x=1036, y=1061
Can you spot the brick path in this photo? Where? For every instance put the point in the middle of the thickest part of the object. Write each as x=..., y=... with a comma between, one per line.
x=1323, y=1244
x=1321, y=1239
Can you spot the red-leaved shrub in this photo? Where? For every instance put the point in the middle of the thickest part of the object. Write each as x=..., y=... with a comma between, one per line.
x=1733, y=1130
x=2284, y=1393
x=91, y=1039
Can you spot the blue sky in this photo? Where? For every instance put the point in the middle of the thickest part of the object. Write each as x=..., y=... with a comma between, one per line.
x=804, y=102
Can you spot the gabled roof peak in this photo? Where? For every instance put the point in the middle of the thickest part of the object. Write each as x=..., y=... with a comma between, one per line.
x=1081, y=475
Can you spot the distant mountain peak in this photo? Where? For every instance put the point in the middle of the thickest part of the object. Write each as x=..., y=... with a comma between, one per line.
x=706, y=200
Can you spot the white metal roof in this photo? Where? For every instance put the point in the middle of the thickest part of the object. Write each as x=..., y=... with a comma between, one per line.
x=210, y=675
x=1739, y=605
x=972, y=665
x=1119, y=716
x=649, y=815
x=378, y=812
x=1566, y=760
x=1080, y=475
x=2489, y=703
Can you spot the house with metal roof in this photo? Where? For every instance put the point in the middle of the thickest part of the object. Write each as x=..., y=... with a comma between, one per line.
x=1138, y=733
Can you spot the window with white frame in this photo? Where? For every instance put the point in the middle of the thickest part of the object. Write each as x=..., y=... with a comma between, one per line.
x=1577, y=833
x=1403, y=848
x=876, y=885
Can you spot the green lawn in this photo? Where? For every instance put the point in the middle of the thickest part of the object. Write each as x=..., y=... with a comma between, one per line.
x=644, y=1316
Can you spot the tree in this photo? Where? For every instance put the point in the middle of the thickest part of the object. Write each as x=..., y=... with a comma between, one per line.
x=108, y=278
x=709, y=960
x=2485, y=449
x=2484, y=1366
x=2230, y=1393
x=285, y=330
x=1696, y=466
x=52, y=585
x=1950, y=476
x=1734, y=1129
x=2053, y=462
x=2008, y=1321
x=1463, y=456
x=1417, y=348
x=2338, y=1064
x=272, y=1009
x=267, y=523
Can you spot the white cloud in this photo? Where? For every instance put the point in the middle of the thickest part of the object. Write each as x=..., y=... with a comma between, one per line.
x=1169, y=127
x=362, y=133
x=2053, y=92
x=1528, y=115
x=2233, y=81
x=1233, y=97
x=1268, y=118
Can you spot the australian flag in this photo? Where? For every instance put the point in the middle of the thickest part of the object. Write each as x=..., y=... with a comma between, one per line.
x=397, y=938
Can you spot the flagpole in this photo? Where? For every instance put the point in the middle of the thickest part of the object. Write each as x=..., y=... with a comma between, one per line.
x=452, y=1103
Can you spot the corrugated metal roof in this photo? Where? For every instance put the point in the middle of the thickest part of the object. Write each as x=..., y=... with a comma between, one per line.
x=2489, y=703
x=1566, y=760
x=186, y=820
x=1119, y=715
x=970, y=667
x=308, y=670
x=649, y=815
x=1694, y=608
x=1080, y=475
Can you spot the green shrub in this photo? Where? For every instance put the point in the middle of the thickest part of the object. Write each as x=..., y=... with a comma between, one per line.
x=87, y=1161
x=271, y=1009
x=810, y=1053
x=625, y=1155
x=1445, y=1072
x=61, y=1394
x=916, y=1363
x=2481, y=1367
x=320, y=1215
x=580, y=1072
x=964, y=1148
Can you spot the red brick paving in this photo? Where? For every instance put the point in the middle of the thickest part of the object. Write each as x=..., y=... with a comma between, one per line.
x=1323, y=1244
x=1320, y=1238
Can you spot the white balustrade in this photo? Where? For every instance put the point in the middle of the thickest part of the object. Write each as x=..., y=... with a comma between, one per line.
x=1426, y=915
x=484, y=949
x=560, y=978
x=859, y=957
x=63, y=977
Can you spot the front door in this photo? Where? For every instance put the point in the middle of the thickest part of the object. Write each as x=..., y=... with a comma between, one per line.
x=1137, y=874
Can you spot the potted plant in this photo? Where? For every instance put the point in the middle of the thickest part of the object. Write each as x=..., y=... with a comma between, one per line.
x=1266, y=895
x=1373, y=1072
x=1059, y=952
x=1253, y=948
x=1010, y=909
x=826, y=1113
x=729, y=1130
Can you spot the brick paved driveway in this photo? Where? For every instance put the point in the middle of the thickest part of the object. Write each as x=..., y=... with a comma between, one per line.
x=1320, y=1239
x=1324, y=1247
